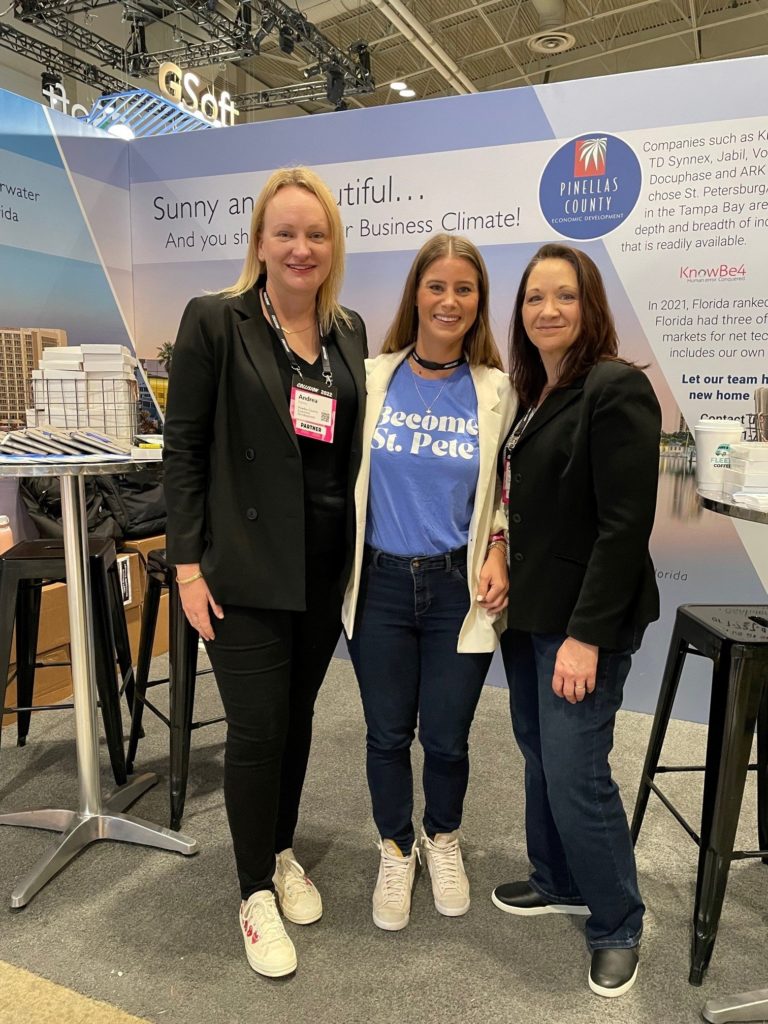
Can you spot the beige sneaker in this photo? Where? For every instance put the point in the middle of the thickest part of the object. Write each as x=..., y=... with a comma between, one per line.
x=268, y=948
x=392, y=895
x=298, y=898
x=450, y=885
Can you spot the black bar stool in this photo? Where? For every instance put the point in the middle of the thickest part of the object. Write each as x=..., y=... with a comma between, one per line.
x=182, y=677
x=735, y=638
x=24, y=569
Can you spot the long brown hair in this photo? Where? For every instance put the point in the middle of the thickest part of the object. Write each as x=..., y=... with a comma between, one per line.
x=329, y=312
x=597, y=338
x=479, y=345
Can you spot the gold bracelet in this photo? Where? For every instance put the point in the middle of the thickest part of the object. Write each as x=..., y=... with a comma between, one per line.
x=190, y=579
x=496, y=544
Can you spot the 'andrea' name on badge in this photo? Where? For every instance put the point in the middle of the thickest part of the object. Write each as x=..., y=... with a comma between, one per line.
x=313, y=409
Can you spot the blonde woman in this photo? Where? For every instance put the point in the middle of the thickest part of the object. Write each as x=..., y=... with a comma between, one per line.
x=262, y=444
x=424, y=602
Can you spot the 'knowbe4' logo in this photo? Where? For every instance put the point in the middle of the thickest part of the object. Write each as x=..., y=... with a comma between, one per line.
x=722, y=272
x=590, y=186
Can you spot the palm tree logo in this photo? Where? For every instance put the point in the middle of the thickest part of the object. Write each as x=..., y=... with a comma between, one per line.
x=590, y=157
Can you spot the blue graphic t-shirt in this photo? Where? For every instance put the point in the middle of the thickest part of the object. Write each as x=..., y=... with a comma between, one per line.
x=425, y=459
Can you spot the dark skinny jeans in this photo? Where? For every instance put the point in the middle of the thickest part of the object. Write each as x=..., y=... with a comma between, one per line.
x=269, y=666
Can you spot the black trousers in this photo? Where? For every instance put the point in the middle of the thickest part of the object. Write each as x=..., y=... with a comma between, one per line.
x=269, y=666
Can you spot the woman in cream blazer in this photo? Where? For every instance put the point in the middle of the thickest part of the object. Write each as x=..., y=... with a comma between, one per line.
x=425, y=600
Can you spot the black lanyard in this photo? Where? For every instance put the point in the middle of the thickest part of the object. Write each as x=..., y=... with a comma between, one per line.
x=292, y=358
x=517, y=431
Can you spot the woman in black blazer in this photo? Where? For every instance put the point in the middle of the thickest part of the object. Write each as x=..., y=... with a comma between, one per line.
x=262, y=446
x=581, y=472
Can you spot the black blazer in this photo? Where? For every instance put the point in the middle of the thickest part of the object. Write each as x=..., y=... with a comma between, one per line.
x=233, y=474
x=583, y=486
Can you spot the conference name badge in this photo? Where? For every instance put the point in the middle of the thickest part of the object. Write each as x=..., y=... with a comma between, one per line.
x=313, y=409
x=506, y=481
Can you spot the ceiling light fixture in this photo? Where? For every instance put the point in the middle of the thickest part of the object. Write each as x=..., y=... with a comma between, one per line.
x=286, y=39
x=551, y=41
x=398, y=86
x=334, y=84
x=408, y=93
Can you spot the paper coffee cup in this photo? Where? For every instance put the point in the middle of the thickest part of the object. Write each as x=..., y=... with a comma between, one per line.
x=713, y=450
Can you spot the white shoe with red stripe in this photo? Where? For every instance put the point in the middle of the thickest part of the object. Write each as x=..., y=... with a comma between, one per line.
x=269, y=950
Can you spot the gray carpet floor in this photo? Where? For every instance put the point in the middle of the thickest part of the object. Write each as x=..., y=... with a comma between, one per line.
x=157, y=934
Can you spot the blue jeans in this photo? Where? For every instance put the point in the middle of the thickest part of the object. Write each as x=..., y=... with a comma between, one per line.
x=576, y=829
x=409, y=614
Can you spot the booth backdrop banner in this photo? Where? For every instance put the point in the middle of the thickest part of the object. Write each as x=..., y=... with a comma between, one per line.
x=65, y=237
x=662, y=177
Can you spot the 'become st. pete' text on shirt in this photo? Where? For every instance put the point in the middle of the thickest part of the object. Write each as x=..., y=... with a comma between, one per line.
x=424, y=464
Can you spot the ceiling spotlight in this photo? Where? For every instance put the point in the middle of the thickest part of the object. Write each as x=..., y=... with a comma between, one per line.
x=334, y=84
x=49, y=79
x=407, y=93
x=363, y=54
x=398, y=86
x=286, y=39
x=28, y=10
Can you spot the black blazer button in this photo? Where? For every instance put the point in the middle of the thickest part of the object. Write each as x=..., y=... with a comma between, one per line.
x=518, y=556
x=249, y=454
x=516, y=517
x=518, y=478
x=252, y=513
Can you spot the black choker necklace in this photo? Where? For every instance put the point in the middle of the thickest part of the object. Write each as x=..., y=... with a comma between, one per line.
x=429, y=365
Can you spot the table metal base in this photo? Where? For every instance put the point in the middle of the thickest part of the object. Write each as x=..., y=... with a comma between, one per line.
x=81, y=829
x=746, y=1006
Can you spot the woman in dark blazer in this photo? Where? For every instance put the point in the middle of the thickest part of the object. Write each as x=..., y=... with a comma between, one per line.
x=581, y=472
x=262, y=446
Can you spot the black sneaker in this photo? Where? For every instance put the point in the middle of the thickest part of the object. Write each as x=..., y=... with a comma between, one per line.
x=521, y=898
x=613, y=971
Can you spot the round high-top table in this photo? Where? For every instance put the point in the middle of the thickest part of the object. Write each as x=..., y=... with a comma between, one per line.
x=745, y=1006
x=96, y=818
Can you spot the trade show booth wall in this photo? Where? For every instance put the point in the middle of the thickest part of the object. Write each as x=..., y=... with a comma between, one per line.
x=661, y=176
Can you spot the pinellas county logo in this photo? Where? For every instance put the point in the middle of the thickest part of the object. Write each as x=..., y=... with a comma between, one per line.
x=590, y=186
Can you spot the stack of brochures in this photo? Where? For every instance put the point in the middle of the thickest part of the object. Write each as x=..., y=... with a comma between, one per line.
x=91, y=386
x=52, y=444
x=746, y=481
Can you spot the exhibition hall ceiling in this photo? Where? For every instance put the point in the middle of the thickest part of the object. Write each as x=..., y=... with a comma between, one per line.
x=436, y=47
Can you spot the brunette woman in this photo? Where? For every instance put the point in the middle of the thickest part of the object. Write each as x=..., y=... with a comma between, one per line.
x=430, y=580
x=581, y=470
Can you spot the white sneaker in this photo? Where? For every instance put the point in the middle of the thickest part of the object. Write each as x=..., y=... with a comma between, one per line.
x=392, y=895
x=268, y=948
x=450, y=885
x=299, y=900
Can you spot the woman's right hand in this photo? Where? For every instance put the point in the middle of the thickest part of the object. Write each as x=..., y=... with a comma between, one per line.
x=197, y=600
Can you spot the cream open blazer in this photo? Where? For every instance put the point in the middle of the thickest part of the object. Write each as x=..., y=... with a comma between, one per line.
x=496, y=405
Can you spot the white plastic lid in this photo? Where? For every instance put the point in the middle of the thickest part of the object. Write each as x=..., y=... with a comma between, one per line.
x=720, y=425
x=4, y=521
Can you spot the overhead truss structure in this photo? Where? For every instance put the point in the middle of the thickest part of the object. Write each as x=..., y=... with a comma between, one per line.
x=57, y=62
x=332, y=72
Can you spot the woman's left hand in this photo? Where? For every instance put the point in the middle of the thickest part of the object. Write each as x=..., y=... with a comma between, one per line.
x=575, y=670
x=493, y=582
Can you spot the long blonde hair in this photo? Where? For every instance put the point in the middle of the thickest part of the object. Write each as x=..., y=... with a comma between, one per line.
x=479, y=345
x=329, y=312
